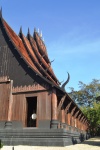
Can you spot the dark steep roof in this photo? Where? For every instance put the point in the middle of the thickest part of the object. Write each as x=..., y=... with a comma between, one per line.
x=33, y=51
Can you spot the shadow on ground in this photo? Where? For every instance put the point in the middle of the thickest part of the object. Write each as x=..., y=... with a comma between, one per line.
x=82, y=137
x=93, y=141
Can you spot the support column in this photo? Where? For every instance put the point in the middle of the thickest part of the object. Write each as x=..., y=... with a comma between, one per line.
x=75, y=122
x=66, y=120
x=78, y=124
x=69, y=119
x=63, y=124
x=54, y=121
x=8, y=124
x=73, y=118
x=72, y=122
x=81, y=125
x=79, y=121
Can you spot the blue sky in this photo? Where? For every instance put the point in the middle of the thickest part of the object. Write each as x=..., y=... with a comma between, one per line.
x=71, y=31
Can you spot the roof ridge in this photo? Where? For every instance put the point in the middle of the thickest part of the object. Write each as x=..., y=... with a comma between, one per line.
x=41, y=46
x=33, y=57
x=18, y=44
x=22, y=50
x=48, y=66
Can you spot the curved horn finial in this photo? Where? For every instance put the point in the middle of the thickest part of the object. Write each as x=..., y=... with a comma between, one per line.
x=64, y=84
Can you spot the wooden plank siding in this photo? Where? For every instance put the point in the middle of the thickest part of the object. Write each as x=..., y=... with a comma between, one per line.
x=4, y=101
x=19, y=109
x=44, y=106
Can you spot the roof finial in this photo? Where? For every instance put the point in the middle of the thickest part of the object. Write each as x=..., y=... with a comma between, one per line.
x=34, y=29
x=1, y=12
x=43, y=39
x=41, y=34
x=52, y=61
x=34, y=32
x=28, y=31
x=20, y=30
x=64, y=84
x=38, y=30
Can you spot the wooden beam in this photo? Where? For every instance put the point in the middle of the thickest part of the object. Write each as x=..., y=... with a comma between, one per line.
x=82, y=119
x=67, y=107
x=54, y=104
x=79, y=116
x=61, y=104
x=73, y=110
x=76, y=113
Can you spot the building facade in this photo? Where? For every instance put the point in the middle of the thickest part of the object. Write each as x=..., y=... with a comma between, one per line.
x=33, y=105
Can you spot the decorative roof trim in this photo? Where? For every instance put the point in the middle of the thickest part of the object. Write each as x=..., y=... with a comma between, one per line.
x=30, y=65
x=30, y=88
x=17, y=48
x=64, y=84
x=30, y=51
x=41, y=58
x=37, y=37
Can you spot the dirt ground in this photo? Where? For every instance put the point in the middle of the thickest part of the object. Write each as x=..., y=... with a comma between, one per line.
x=91, y=144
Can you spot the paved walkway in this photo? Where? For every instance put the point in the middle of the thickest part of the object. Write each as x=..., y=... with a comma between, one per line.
x=91, y=144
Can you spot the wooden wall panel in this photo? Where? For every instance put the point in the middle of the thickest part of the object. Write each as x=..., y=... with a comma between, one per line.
x=44, y=106
x=4, y=100
x=48, y=106
x=19, y=108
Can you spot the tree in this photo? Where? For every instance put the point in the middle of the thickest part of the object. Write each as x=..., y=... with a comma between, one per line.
x=88, y=99
x=87, y=94
x=93, y=115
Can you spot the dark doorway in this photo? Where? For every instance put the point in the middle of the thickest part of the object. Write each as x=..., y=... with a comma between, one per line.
x=31, y=109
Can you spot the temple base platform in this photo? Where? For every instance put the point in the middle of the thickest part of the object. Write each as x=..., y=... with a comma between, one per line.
x=40, y=136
